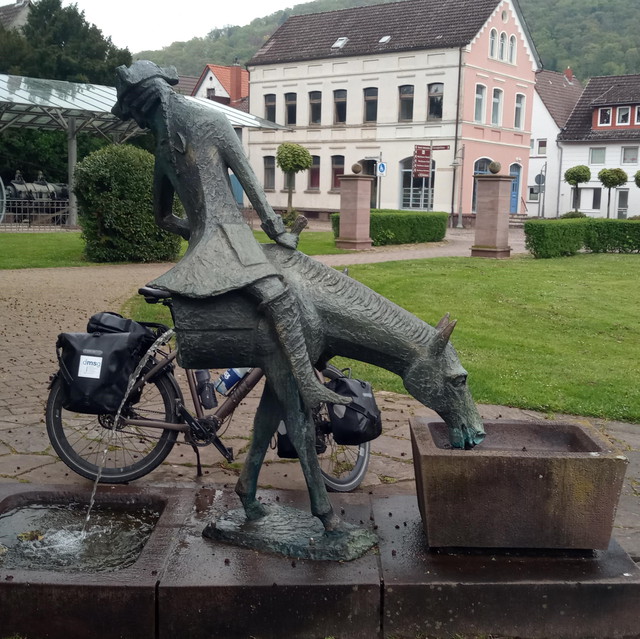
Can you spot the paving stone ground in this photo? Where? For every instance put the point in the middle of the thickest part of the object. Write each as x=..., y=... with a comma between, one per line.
x=38, y=304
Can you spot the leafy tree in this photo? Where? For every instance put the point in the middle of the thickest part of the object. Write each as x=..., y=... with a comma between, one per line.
x=292, y=158
x=612, y=179
x=114, y=189
x=577, y=175
x=636, y=179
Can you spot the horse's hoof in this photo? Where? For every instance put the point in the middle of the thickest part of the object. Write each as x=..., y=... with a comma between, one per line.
x=332, y=523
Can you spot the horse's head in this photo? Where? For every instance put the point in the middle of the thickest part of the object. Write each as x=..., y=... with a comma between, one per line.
x=437, y=379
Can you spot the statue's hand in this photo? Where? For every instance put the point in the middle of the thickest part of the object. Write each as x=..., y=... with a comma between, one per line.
x=290, y=240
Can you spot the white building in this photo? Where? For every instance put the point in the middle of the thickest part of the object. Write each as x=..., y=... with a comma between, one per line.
x=555, y=98
x=369, y=84
x=603, y=131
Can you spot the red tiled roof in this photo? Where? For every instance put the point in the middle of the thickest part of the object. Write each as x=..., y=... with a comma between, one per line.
x=224, y=77
x=186, y=84
x=602, y=91
x=558, y=93
x=411, y=24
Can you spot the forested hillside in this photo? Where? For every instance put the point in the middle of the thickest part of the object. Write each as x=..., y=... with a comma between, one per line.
x=593, y=37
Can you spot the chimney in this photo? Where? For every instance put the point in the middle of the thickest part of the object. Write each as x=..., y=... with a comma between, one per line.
x=236, y=83
x=568, y=74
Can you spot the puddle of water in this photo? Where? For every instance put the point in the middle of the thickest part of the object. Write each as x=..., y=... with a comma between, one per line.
x=51, y=537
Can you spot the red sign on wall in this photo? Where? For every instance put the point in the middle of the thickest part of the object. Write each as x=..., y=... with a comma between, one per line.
x=422, y=161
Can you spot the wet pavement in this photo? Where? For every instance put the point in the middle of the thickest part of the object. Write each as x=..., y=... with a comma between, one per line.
x=37, y=304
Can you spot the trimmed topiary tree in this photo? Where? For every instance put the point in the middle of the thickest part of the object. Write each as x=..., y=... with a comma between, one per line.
x=577, y=175
x=612, y=179
x=114, y=190
x=636, y=179
x=292, y=158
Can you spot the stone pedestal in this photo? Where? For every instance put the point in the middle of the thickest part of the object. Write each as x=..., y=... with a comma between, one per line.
x=355, y=212
x=492, y=217
x=528, y=485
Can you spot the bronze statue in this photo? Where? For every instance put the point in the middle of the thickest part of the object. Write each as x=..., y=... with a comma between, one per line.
x=226, y=283
x=195, y=148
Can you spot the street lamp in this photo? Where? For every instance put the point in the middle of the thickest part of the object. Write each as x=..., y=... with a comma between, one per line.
x=458, y=161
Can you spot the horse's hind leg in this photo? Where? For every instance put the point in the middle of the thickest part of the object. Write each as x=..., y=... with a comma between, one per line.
x=265, y=424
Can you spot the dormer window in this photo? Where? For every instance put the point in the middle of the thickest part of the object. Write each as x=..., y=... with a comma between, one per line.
x=339, y=43
x=624, y=115
x=384, y=39
x=604, y=116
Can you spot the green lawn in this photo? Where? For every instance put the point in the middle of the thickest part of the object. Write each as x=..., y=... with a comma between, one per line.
x=42, y=250
x=559, y=336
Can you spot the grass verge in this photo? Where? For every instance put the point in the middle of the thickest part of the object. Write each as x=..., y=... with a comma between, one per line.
x=558, y=335
x=45, y=250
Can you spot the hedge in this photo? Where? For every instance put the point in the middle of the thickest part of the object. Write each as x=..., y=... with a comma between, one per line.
x=563, y=237
x=114, y=190
x=389, y=226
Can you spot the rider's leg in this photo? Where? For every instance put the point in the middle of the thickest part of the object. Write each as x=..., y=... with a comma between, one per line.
x=282, y=308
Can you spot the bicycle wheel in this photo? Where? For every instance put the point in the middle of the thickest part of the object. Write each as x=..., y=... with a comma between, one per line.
x=131, y=451
x=343, y=467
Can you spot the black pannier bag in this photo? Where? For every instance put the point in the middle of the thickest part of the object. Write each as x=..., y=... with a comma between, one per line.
x=95, y=366
x=358, y=422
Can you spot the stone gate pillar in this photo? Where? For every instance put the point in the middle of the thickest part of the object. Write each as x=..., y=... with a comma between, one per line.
x=492, y=216
x=355, y=210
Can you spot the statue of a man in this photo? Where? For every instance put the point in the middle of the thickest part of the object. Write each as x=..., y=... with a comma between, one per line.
x=196, y=147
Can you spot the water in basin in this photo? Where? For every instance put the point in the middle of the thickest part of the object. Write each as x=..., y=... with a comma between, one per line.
x=50, y=537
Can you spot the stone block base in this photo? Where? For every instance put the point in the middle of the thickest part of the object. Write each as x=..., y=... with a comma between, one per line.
x=354, y=245
x=491, y=251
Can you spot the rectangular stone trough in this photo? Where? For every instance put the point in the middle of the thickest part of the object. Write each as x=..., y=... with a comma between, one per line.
x=528, y=485
x=108, y=605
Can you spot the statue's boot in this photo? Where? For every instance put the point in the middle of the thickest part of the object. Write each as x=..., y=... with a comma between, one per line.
x=285, y=316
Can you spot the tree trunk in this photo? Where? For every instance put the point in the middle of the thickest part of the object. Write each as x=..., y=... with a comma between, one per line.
x=608, y=201
x=290, y=194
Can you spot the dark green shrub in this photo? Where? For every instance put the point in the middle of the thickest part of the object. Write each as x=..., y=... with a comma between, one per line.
x=554, y=238
x=558, y=238
x=572, y=215
x=612, y=236
x=114, y=190
x=402, y=227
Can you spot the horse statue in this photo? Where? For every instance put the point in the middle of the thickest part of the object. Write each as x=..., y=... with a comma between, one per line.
x=340, y=316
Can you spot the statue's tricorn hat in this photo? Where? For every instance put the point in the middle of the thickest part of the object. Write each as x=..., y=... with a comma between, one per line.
x=139, y=72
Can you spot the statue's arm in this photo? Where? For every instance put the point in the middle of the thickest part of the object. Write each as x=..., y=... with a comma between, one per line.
x=237, y=160
x=163, y=193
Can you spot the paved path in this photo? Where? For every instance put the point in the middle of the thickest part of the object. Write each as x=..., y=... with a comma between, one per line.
x=37, y=304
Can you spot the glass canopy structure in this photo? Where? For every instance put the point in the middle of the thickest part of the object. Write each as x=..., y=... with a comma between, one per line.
x=36, y=103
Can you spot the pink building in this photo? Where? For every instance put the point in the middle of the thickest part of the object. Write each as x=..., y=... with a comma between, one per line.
x=370, y=84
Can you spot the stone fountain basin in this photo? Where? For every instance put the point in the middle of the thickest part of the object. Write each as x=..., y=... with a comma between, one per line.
x=50, y=603
x=528, y=485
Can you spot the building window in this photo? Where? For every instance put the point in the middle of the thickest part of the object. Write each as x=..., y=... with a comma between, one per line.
x=604, y=116
x=314, y=174
x=270, y=107
x=339, y=106
x=638, y=115
x=480, y=167
x=290, y=181
x=435, y=92
x=269, y=172
x=405, y=111
x=417, y=192
x=315, y=107
x=371, y=104
x=502, y=50
x=629, y=155
x=481, y=96
x=542, y=147
x=493, y=43
x=597, y=199
x=496, y=107
x=624, y=115
x=337, y=169
x=290, y=108
x=534, y=193
x=623, y=204
x=211, y=94
x=597, y=155
x=518, y=118
x=512, y=49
